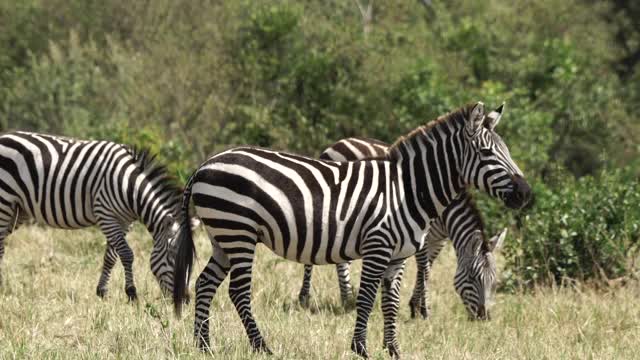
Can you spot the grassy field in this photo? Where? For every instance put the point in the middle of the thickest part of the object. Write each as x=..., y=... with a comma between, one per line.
x=48, y=309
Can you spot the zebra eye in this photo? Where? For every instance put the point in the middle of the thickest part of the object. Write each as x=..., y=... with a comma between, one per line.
x=486, y=152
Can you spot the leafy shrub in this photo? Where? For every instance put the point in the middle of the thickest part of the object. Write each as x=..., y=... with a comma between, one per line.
x=292, y=93
x=585, y=229
x=190, y=78
x=61, y=93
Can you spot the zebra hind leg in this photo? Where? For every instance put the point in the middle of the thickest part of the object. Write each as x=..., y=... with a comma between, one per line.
x=110, y=259
x=347, y=295
x=206, y=287
x=303, y=296
x=240, y=288
x=390, y=303
x=372, y=269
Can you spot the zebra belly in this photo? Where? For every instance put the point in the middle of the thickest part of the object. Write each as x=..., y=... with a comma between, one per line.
x=240, y=231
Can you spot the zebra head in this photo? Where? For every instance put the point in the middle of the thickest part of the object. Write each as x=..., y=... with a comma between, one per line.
x=165, y=249
x=163, y=253
x=475, y=279
x=487, y=163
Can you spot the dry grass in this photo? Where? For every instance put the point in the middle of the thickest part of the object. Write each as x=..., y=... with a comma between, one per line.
x=48, y=309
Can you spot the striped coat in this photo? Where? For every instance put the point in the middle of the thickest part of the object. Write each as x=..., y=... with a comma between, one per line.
x=319, y=212
x=71, y=184
x=460, y=221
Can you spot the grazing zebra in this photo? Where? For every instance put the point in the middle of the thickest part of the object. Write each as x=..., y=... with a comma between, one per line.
x=475, y=276
x=71, y=184
x=319, y=212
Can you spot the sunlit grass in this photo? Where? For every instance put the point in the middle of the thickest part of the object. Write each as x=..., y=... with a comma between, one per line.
x=48, y=309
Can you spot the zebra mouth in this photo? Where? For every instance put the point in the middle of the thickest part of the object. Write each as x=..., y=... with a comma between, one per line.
x=480, y=315
x=520, y=194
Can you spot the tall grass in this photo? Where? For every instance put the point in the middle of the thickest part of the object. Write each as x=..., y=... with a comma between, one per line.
x=49, y=310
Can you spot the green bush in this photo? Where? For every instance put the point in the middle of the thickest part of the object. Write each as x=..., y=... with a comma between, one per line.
x=187, y=79
x=585, y=229
x=63, y=92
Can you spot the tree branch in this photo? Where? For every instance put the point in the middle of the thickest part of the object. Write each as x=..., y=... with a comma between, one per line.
x=367, y=16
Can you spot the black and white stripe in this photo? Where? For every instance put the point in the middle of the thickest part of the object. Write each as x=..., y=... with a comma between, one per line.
x=320, y=212
x=71, y=184
x=460, y=219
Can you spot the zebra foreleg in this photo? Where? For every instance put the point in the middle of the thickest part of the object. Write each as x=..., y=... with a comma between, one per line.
x=373, y=266
x=240, y=292
x=303, y=296
x=126, y=256
x=9, y=219
x=419, y=299
x=114, y=231
x=344, y=279
x=206, y=287
x=390, y=303
x=110, y=259
x=425, y=258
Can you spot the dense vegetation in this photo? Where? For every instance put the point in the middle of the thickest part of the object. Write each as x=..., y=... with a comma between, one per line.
x=188, y=78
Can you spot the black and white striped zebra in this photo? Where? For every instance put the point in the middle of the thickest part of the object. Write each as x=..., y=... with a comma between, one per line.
x=71, y=184
x=320, y=212
x=475, y=277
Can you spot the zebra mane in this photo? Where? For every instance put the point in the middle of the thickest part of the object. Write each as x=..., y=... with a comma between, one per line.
x=152, y=168
x=457, y=116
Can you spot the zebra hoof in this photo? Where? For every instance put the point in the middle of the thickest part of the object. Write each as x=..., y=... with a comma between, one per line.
x=424, y=312
x=392, y=349
x=360, y=348
x=303, y=299
x=101, y=292
x=393, y=352
x=349, y=303
x=131, y=293
x=260, y=346
x=204, y=346
x=413, y=309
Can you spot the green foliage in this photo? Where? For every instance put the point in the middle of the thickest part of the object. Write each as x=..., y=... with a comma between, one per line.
x=22, y=25
x=585, y=229
x=60, y=93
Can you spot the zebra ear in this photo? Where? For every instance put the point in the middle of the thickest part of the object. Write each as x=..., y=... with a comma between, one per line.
x=493, y=118
x=496, y=242
x=474, y=244
x=476, y=118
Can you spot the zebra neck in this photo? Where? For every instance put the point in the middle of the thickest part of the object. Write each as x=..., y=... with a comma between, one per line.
x=430, y=166
x=152, y=204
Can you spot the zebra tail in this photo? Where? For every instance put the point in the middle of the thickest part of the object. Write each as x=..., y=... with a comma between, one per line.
x=186, y=253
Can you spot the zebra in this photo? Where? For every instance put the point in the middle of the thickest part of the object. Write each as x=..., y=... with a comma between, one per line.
x=71, y=184
x=461, y=219
x=318, y=212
